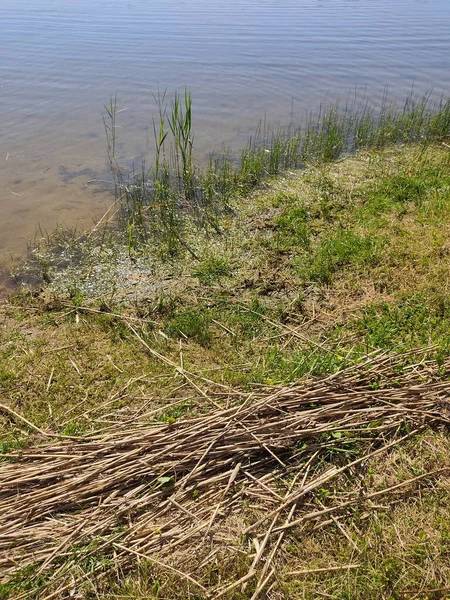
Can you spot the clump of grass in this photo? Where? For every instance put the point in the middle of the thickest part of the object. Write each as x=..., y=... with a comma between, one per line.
x=343, y=248
x=192, y=323
x=403, y=188
x=212, y=269
x=277, y=366
x=293, y=228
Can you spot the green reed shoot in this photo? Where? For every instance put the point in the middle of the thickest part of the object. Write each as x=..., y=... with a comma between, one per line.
x=160, y=204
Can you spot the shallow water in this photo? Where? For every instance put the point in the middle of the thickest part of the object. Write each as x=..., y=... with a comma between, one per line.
x=60, y=60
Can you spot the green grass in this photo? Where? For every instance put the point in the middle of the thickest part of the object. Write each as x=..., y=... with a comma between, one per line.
x=193, y=324
x=213, y=268
x=23, y=581
x=337, y=251
x=414, y=321
x=293, y=228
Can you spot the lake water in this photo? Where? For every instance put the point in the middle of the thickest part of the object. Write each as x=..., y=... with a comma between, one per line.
x=60, y=61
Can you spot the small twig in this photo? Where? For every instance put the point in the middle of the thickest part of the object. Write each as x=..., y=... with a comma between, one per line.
x=323, y=570
x=425, y=591
x=12, y=412
x=49, y=382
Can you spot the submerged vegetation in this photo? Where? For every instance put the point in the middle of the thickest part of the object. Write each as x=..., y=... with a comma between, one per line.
x=212, y=300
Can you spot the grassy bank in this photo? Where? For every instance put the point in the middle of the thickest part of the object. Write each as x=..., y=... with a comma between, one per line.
x=306, y=277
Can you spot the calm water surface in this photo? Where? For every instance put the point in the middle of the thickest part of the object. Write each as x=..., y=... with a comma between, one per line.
x=60, y=60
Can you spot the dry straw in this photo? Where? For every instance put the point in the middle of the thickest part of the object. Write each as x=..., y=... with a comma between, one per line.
x=165, y=492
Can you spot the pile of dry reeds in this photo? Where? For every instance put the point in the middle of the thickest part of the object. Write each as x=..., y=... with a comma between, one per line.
x=165, y=492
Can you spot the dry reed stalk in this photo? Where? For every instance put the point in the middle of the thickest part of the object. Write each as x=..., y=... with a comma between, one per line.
x=323, y=570
x=156, y=491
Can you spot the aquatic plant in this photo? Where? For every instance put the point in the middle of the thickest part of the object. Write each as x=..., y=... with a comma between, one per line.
x=158, y=203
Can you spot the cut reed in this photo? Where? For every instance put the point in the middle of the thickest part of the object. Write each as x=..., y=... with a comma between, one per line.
x=152, y=492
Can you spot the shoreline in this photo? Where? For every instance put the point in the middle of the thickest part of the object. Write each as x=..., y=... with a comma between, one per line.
x=309, y=316
x=165, y=208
